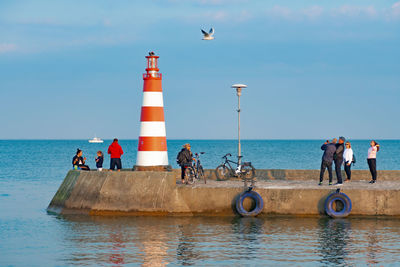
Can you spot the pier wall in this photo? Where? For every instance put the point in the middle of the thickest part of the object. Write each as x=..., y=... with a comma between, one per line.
x=157, y=193
x=286, y=174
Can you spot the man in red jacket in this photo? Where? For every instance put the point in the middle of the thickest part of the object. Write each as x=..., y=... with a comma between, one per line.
x=115, y=150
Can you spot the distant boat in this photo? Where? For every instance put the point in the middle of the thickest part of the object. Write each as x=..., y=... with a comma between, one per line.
x=95, y=140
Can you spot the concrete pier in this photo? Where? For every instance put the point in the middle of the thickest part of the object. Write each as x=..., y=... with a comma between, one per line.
x=292, y=192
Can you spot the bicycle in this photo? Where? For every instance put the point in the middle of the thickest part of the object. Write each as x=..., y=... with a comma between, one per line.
x=245, y=170
x=195, y=171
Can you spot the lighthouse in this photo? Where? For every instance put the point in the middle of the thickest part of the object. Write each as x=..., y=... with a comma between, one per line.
x=152, y=147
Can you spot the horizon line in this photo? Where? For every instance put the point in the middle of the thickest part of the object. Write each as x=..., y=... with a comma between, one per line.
x=195, y=139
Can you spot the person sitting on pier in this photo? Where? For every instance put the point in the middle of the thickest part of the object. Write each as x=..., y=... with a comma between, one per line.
x=184, y=159
x=79, y=162
x=327, y=159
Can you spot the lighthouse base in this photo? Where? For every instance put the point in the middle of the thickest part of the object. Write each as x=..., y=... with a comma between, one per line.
x=153, y=168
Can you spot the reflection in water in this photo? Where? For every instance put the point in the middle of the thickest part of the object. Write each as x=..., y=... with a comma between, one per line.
x=373, y=248
x=155, y=250
x=247, y=231
x=186, y=252
x=333, y=238
x=116, y=257
x=274, y=240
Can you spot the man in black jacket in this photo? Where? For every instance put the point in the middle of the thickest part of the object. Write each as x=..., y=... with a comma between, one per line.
x=327, y=158
x=184, y=159
x=338, y=158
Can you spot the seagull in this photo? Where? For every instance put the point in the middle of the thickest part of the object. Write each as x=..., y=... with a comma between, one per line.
x=209, y=35
x=152, y=53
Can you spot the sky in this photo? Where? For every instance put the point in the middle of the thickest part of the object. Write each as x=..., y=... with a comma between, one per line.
x=314, y=69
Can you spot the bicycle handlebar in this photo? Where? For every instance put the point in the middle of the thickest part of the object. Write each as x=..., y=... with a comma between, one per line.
x=227, y=155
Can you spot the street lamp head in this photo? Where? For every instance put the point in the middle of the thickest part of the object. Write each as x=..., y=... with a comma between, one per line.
x=239, y=87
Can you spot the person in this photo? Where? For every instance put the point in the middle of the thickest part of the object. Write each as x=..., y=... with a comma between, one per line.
x=338, y=158
x=79, y=162
x=348, y=159
x=99, y=160
x=327, y=159
x=184, y=159
x=115, y=151
x=372, y=160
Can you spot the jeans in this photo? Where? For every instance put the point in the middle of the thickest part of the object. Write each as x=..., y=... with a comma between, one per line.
x=347, y=169
x=324, y=165
x=338, y=169
x=183, y=168
x=115, y=162
x=372, y=168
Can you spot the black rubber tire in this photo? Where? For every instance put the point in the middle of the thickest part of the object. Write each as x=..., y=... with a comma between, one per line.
x=223, y=173
x=201, y=174
x=344, y=199
x=189, y=175
x=249, y=172
x=257, y=199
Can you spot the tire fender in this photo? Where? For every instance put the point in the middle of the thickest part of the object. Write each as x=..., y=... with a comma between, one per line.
x=346, y=201
x=257, y=199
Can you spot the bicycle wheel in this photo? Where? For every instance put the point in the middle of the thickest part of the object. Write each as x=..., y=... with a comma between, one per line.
x=201, y=174
x=248, y=172
x=222, y=172
x=189, y=175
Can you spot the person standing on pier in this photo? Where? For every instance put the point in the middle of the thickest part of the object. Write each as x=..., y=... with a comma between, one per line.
x=338, y=157
x=372, y=160
x=327, y=159
x=115, y=151
x=99, y=160
x=184, y=159
x=348, y=159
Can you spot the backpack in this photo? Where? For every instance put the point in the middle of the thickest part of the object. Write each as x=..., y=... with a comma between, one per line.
x=180, y=159
x=353, y=160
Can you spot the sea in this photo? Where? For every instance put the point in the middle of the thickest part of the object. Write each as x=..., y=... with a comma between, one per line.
x=32, y=170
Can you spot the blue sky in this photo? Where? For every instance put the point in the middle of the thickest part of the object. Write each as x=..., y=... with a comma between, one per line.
x=314, y=69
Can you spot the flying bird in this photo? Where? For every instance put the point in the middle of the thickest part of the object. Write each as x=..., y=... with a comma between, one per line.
x=208, y=35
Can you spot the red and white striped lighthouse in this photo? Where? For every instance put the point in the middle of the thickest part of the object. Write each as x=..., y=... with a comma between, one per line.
x=152, y=148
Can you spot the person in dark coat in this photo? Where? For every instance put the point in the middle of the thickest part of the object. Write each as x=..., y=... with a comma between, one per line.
x=78, y=162
x=338, y=158
x=327, y=159
x=99, y=160
x=184, y=159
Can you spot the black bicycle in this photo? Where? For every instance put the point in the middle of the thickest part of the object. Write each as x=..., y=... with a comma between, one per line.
x=195, y=171
x=244, y=170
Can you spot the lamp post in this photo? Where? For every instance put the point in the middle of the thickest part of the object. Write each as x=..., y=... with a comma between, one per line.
x=239, y=88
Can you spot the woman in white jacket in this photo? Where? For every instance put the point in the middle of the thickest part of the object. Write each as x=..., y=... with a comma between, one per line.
x=347, y=160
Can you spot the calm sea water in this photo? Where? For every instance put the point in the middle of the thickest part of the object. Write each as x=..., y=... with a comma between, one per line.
x=31, y=172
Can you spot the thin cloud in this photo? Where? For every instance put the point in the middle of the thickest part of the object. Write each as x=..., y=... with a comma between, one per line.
x=6, y=48
x=396, y=9
x=317, y=12
x=281, y=12
x=222, y=16
x=313, y=12
x=40, y=21
x=355, y=11
x=208, y=2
